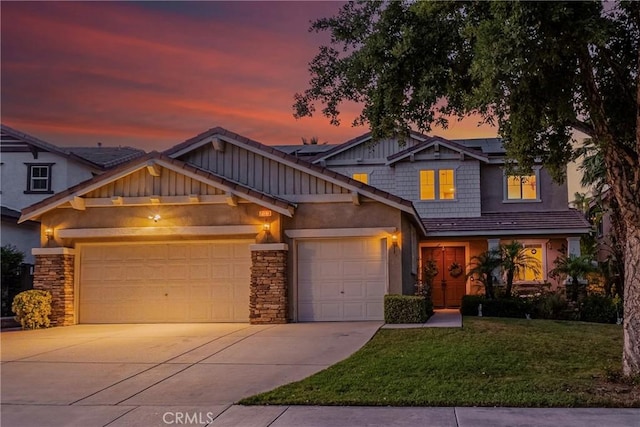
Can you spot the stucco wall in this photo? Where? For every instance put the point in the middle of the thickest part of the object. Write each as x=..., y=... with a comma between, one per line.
x=13, y=171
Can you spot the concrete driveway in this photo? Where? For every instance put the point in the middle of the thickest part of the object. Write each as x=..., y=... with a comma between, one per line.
x=134, y=374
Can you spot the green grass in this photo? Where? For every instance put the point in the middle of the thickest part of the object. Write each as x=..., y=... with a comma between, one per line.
x=489, y=362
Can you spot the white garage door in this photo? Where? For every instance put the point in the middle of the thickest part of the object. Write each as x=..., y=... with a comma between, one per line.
x=165, y=282
x=341, y=279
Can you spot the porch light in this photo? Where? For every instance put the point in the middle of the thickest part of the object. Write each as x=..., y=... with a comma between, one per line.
x=48, y=232
x=266, y=227
x=155, y=218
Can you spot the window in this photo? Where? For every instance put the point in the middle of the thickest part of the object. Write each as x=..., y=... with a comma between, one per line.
x=362, y=177
x=530, y=274
x=427, y=185
x=445, y=184
x=39, y=178
x=522, y=187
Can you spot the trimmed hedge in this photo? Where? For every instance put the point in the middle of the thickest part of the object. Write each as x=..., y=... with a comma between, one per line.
x=406, y=309
x=599, y=309
x=503, y=307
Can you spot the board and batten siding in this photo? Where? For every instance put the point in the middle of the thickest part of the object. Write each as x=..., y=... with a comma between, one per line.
x=256, y=171
x=373, y=150
x=141, y=183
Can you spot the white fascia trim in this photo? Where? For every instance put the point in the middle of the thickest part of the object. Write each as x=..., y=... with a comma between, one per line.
x=53, y=251
x=203, y=141
x=269, y=247
x=339, y=232
x=80, y=233
x=489, y=233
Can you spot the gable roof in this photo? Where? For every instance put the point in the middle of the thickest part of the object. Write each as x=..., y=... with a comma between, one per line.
x=509, y=223
x=299, y=164
x=432, y=141
x=99, y=158
x=154, y=158
x=415, y=136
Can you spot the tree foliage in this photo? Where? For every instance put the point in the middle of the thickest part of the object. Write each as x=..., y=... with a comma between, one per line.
x=538, y=70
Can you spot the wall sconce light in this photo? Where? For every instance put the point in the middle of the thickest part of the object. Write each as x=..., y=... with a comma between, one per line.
x=549, y=246
x=48, y=232
x=394, y=242
x=155, y=218
x=266, y=227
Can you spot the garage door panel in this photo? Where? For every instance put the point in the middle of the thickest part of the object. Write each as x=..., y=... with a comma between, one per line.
x=186, y=282
x=341, y=279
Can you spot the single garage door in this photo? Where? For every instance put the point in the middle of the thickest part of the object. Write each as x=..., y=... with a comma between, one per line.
x=341, y=279
x=165, y=282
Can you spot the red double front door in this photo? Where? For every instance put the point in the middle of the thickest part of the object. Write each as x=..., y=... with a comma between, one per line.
x=450, y=282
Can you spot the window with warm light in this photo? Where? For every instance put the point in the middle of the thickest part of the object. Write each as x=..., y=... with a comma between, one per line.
x=446, y=184
x=535, y=251
x=427, y=185
x=522, y=187
x=362, y=177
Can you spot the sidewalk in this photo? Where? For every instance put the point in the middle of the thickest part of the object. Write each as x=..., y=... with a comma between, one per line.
x=320, y=416
x=442, y=318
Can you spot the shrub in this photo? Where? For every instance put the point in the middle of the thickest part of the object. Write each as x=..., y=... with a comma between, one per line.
x=550, y=306
x=32, y=308
x=502, y=307
x=405, y=309
x=599, y=309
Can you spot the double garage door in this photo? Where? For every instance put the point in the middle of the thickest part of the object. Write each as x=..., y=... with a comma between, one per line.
x=165, y=282
x=341, y=279
x=338, y=280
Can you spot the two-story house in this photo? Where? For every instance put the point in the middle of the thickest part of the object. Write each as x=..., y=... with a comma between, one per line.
x=467, y=203
x=223, y=228
x=32, y=170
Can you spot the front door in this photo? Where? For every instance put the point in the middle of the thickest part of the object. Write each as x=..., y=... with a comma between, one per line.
x=450, y=282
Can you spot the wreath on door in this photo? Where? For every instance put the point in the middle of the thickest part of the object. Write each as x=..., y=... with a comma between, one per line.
x=455, y=269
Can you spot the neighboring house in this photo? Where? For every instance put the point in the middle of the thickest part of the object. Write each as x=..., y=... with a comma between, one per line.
x=32, y=170
x=466, y=202
x=221, y=228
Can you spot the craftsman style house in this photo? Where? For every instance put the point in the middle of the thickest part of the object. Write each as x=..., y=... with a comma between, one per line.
x=223, y=228
x=466, y=202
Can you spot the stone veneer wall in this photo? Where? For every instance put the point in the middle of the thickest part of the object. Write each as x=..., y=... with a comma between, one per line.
x=54, y=273
x=268, y=295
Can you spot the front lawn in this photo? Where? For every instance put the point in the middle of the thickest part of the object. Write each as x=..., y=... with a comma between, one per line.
x=489, y=362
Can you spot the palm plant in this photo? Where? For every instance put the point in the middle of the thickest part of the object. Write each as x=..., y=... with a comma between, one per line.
x=574, y=267
x=515, y=258
x=482, y=267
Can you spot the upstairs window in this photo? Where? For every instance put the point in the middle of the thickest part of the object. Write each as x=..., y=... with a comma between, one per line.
x=362, y=177
x=522, y=187
x=39, y=178
x=427, y=185
x=444, y=181
x=447, y=184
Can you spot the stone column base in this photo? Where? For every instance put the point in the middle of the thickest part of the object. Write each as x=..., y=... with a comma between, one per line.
x=268, y=303
x=53, y=272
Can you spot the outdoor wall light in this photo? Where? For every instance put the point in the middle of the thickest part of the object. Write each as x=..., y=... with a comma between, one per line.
x=48, y=232
x=394, y=242
x=155, y=218
x=266, y=227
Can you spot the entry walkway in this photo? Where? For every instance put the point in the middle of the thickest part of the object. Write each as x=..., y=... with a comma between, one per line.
x=442, y=318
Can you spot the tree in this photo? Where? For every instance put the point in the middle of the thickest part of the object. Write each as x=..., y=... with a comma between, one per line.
x=482, y=268
x=515, y=259
x=574, y=267
x=11, y=260
x=538, y=70
x=311, y=141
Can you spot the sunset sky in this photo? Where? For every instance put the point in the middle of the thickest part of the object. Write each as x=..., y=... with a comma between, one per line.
x=152, y=74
